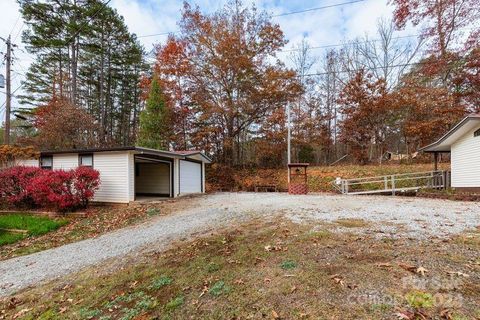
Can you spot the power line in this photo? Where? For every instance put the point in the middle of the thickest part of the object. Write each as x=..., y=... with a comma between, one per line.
x=82, y=26
x=316, y=9
x=157, y=34
x=18, y=32
x=348, y=43
x=13, y=94
x=15, y=24
x=89, y=20
x=273, y=16
x=402, y=65
x=13, y=28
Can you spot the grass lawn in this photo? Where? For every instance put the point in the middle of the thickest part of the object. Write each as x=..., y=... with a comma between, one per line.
x=10, y=237
x=98, y=220
x=32, y=224
x=273, y=270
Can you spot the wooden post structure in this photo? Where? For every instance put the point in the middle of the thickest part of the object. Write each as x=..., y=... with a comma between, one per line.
x=435, y=156
x=298, y=178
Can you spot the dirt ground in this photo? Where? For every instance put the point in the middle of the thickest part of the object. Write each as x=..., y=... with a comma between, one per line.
x=273, y=269
x=251, y=256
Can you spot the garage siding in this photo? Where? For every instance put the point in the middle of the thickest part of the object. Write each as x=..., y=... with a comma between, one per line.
x=153, y=178
x=465, y=161
x=114, y=176
x=28, y=162
x=131, y=176
x=190, y=177
x=65, y=161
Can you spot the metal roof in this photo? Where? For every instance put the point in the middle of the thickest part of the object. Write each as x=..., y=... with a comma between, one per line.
x=141, y=150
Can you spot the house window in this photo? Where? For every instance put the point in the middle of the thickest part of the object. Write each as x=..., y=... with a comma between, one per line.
x=85, y=160
x=46, y=162
x=477, y=133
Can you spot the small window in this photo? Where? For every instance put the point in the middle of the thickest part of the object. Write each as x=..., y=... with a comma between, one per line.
x=46, y=162
x=85, y=160
x=477, y=133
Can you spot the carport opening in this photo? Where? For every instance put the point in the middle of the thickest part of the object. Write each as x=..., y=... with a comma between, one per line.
x=153, y=178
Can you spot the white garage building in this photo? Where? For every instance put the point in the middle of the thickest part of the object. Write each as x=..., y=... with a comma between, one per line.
x=127, y=173
x=463, y=143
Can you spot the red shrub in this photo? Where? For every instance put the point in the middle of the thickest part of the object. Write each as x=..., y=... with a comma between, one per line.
x=53, y=188
x=59, y=189
x=13, y=185
x=86, y=181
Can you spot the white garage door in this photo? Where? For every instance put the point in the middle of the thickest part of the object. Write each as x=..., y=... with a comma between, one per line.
x=190, y=177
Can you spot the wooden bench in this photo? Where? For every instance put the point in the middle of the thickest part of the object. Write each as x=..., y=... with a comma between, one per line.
x=266, y=188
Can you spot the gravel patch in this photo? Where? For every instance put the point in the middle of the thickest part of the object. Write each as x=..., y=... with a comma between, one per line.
x=25, y=271
x=415, y=217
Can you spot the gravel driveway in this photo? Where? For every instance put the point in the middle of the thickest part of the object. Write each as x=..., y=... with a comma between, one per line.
x=414, y=217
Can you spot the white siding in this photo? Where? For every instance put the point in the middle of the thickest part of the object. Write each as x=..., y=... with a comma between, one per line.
x=190, y=177
x=203, y=177
x=131, y=176
x=114, y=176
x=153, y=178
x=466, y=161
x=65, y=161
x=176, y=177
x=27, y=162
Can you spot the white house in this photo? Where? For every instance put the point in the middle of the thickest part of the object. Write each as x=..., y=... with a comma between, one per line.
x=130, y=172
x=463, y=143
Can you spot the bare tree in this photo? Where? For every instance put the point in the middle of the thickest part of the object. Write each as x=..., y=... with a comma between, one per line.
x=330, y=85
x=385, y=57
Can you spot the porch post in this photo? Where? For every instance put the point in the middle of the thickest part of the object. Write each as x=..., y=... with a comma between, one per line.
x=435, y=156
x=176, y=177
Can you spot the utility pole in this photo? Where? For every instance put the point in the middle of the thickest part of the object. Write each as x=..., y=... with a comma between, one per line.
x=8, y=107
x=8, y=104
x=289, y=160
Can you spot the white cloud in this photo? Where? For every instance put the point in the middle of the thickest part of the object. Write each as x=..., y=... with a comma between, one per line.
x=146, y=17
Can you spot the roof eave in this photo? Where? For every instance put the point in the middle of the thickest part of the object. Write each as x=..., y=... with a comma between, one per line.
x=437, y=145
x=167, y=154
x=207, y=158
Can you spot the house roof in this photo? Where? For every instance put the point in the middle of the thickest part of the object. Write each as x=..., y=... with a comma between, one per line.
x=444, y=144
x=140, y=150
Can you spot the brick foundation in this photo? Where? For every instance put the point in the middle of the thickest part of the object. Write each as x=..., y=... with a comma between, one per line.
x=475, y=190
x=297, y=188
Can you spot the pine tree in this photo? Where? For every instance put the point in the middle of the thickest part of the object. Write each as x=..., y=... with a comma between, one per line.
x=86, y=54
x=155, y=120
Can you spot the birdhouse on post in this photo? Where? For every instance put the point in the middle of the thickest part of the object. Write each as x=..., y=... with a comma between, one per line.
x=298, y=183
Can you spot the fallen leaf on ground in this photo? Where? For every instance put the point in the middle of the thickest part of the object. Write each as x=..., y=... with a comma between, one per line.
x=352, y=286
x=21, y=313
x=421, y=271
x=408, y=267
x=384, y=265
x=338, y=279
x=205, y=290
x=458, y=273
x=275, y=315
x=273, y=248
x=406, y=315
x=445, y=314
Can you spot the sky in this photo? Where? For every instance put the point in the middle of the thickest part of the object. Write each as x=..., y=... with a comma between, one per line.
x=146, y=17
